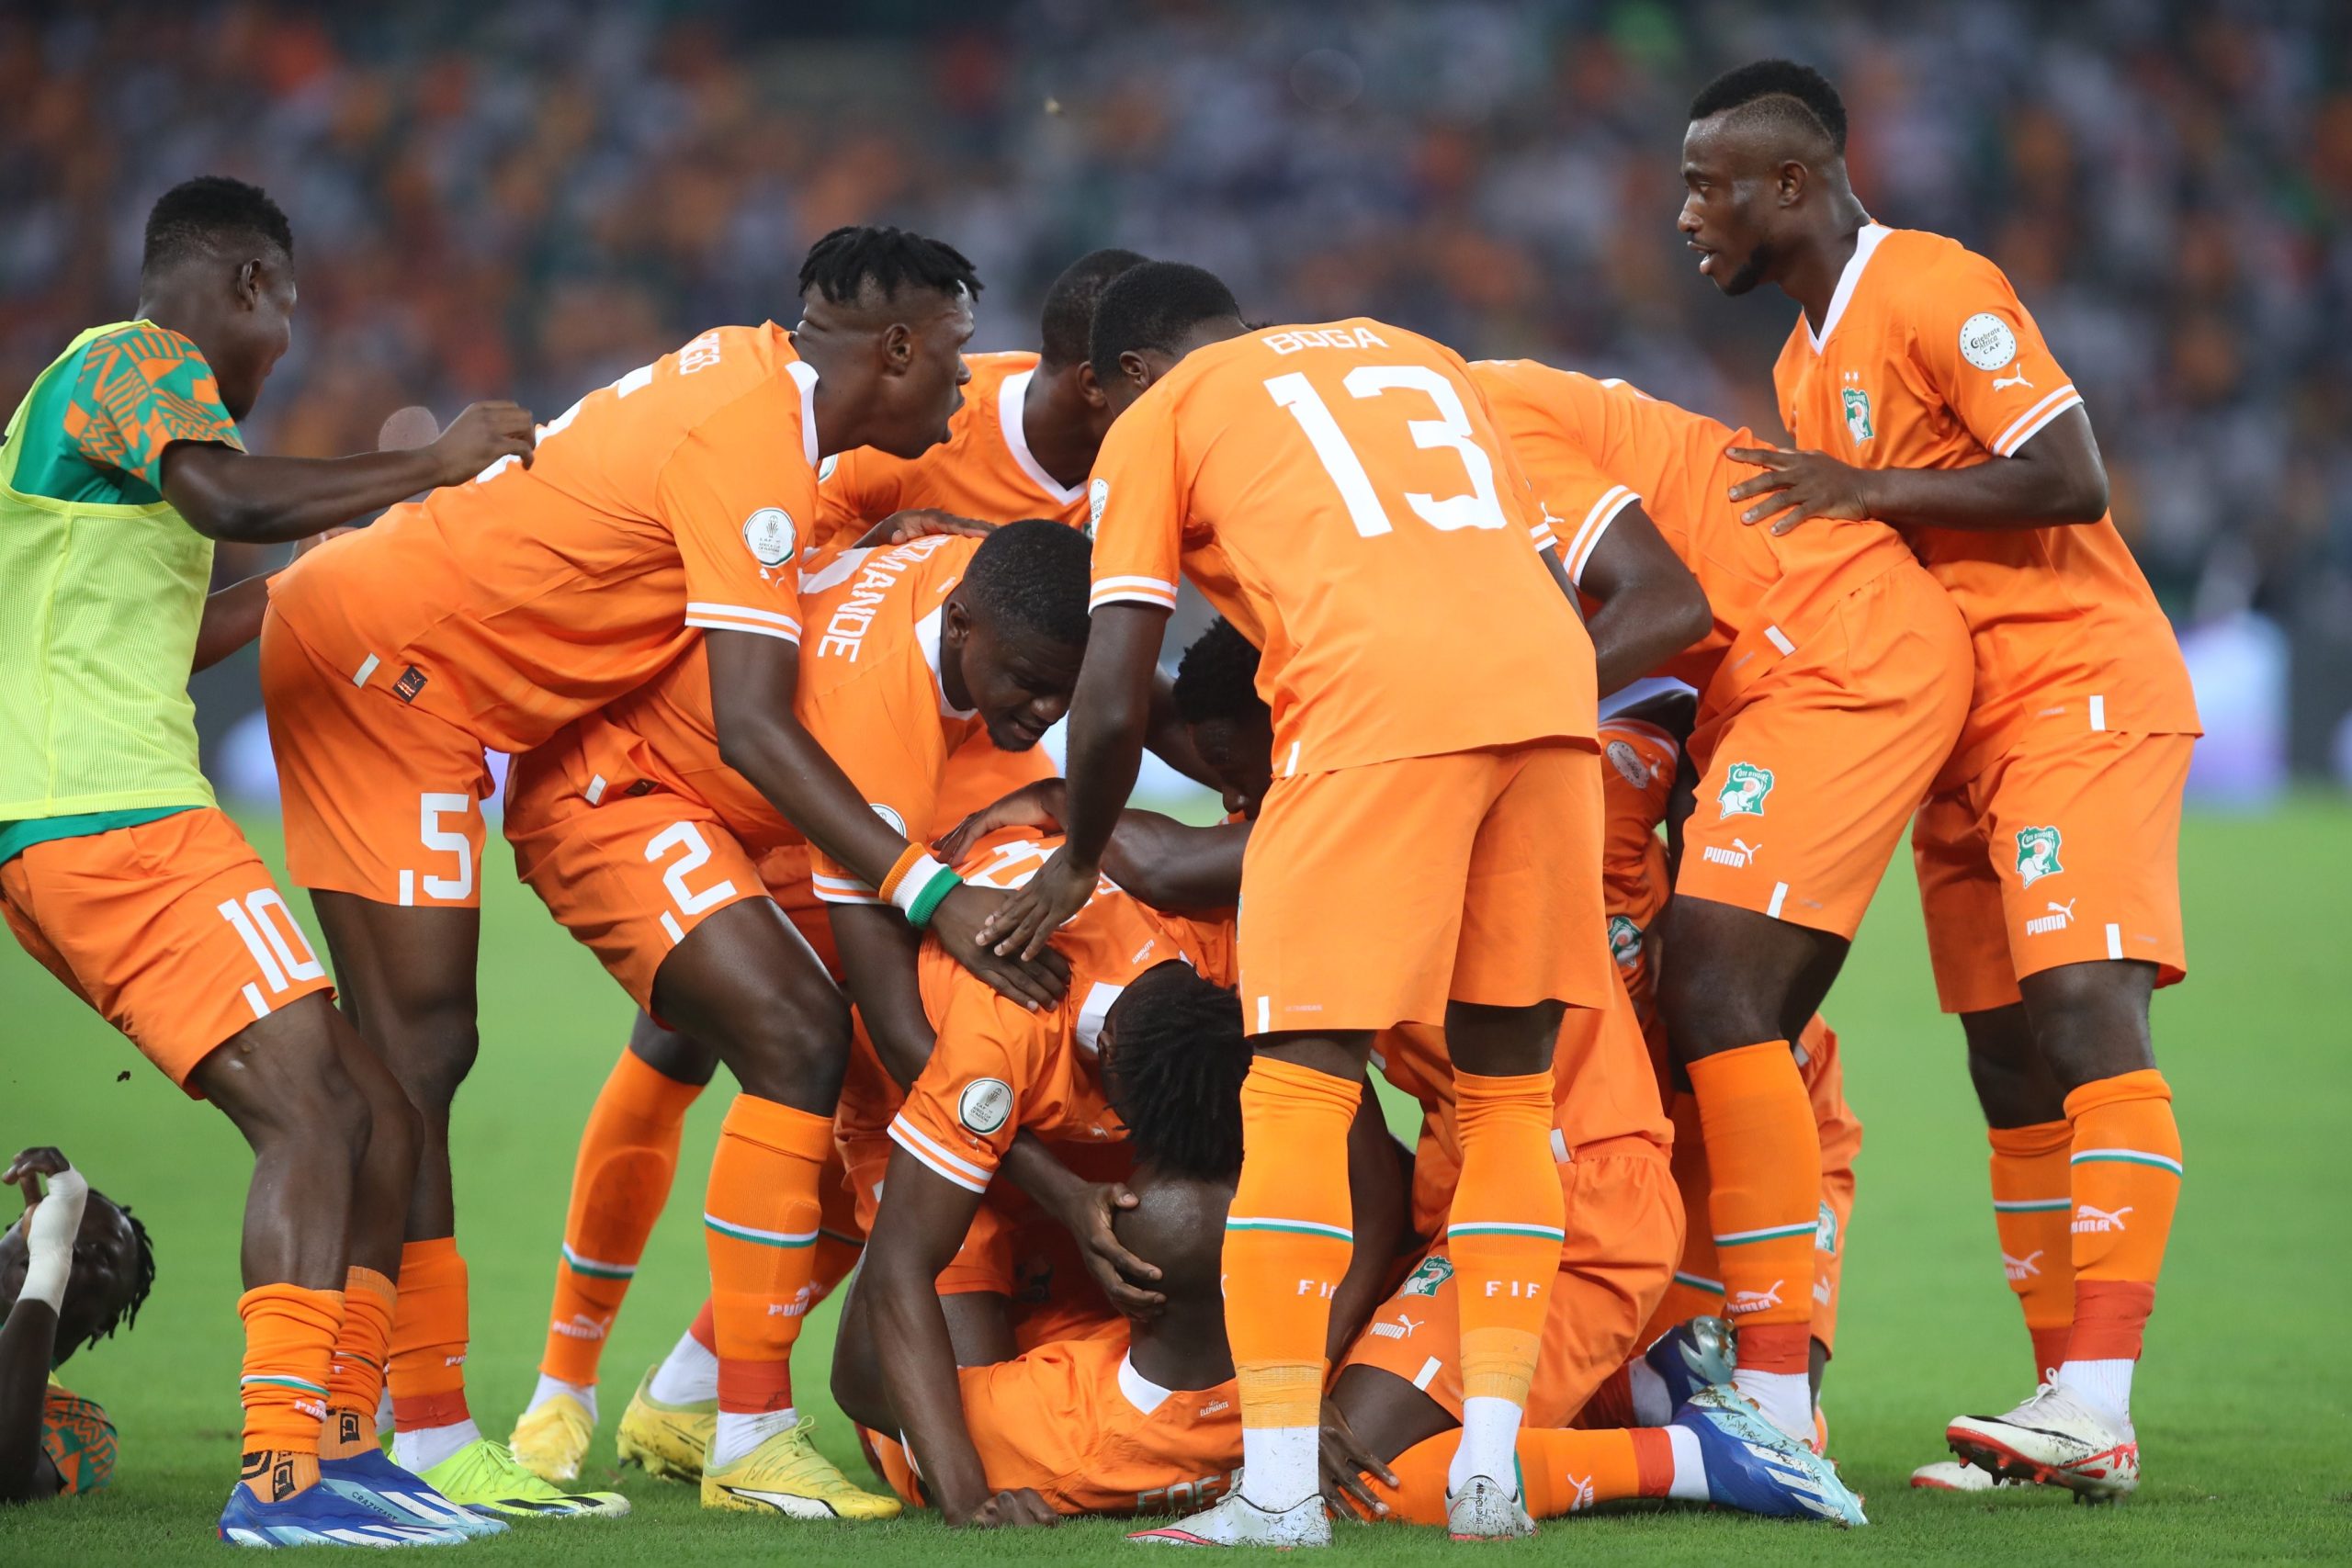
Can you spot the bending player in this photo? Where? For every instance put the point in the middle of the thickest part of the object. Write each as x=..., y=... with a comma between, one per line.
x=648, y=846
x=659, y=512
x=1273, y=467
x=1918, y=390
x=121, y=876
x=1138, y=1417
x=1832, y=685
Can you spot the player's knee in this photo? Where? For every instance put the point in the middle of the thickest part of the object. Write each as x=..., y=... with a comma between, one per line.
x=800, y=1048
x=2090, y=1020
x=431, y=1051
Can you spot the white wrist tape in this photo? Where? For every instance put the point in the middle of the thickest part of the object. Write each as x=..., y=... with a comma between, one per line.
x=45, y=1277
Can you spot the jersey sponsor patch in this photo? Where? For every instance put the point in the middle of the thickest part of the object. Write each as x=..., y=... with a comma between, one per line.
x=984, y=1105
x=768, y=533
x=1986, y=342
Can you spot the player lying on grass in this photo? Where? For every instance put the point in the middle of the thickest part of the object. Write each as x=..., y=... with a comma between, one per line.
x=662, y=512
x=1122, y=1419
x=74, y=1268
x=650, y=849
x=1918, y=390
x=118, y=874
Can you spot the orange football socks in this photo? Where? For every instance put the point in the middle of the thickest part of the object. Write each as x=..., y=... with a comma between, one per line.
x=1505, y=1237
x=1560, y=1471
x=1287, y=1242
x=760, y=1223
x=430, y=1420
x=289, y=1345
x=628, y=1154
x=2125, y=1165
x=1765, y=1151
x=2032, y=1210
x=355, y=1378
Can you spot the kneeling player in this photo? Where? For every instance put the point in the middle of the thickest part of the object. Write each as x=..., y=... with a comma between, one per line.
x=1136, y=1419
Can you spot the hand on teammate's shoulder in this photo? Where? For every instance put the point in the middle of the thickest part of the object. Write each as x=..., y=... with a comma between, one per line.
x=479, y=437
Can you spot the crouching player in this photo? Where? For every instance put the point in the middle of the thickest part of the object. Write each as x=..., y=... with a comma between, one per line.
x=645, y=844
x=1136, y=1418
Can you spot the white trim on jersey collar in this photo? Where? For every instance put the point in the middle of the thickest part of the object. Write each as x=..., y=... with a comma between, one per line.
x=1142, y=1392
x=927, y=635
x=804, y=376
x=1866, y=243
x=1011, y=397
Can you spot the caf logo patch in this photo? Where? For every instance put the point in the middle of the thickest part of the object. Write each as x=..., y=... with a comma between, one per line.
x=984, y=1105
x=888, y=813
x=1098, y=495
x=1986, y=342
x=768, y=533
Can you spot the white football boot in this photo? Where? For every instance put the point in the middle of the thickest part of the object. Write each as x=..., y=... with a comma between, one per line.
x=2054, y=1439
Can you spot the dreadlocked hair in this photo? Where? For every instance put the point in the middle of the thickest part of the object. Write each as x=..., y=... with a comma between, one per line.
x=1174, y=1071
x=840, y=265
x=1217, y=678
x=143, y=1278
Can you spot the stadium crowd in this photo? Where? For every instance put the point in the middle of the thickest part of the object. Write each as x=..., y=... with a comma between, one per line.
x=519, y=201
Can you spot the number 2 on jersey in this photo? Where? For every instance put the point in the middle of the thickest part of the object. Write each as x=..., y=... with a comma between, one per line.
x=1480, y=508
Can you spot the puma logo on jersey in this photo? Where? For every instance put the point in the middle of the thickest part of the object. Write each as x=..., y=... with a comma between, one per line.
x=1737, y=857
x=2001, y=383
x=2024, y=1268
x=2059, y=916
x=1754, y=1300
x=2090, y=1220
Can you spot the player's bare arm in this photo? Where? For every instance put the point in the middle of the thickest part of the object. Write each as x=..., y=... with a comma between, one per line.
x=752, y=682
x=1110, y=715
x=2055, y=478
x=229, y=494
x=1087, y=1210
x=1649, y=606
x=922, y=1221
x=29, y=1338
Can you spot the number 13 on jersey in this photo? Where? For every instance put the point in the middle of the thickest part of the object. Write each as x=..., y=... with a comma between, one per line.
x=1479, y=507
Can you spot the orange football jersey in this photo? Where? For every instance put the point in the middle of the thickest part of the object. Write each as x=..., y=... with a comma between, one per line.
x=998, y=1067
x=1592, y=447
x=983, y=471
x=1341, y=492
x=672, y=499
x=1927, y=359
x=870, y=694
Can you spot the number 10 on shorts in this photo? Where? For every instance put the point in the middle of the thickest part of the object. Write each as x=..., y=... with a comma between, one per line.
x=272, y=939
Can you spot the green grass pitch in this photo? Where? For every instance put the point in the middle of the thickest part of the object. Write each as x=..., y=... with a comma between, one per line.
x=2242, y=1407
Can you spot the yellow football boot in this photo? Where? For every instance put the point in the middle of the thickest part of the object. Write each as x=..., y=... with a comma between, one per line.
x=552, y=1438
x=668, y=1441
x=787, y=1475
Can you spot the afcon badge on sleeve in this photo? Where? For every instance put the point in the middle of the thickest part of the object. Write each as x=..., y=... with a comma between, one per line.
x=1097, y=495
x=1986, y=342
x=984, y=1105
x=890, y=814
x=768, y=533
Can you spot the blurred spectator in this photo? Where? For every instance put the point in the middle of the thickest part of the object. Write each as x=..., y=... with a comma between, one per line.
x=532, y=197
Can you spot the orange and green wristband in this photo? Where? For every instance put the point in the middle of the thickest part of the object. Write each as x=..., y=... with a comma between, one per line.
x=918, y=885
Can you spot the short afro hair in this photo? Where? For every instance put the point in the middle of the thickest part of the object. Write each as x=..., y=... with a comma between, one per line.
x=1153, y=306
x=1174, y=1071
x=1034, y=576
x=1783, y=90
x=1217, y=678
x=1066, y=329
x=199, y=216
x=840, y=265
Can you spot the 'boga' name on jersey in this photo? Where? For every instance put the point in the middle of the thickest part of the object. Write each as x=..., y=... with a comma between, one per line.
x=877, y=571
